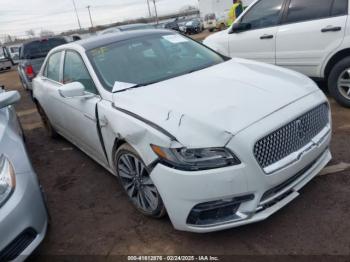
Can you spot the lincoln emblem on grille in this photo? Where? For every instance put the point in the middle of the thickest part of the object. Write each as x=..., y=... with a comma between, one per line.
x=301, y=129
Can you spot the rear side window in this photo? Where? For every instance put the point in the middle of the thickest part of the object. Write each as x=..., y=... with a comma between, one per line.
x=303, y=10
x=53, y=67
x=40, y=48
x=265, y=13
x=340, y=7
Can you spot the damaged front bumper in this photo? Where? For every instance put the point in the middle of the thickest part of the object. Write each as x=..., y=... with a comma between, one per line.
x=184, y=193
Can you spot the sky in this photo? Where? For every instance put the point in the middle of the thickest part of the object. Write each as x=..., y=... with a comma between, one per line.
x=19, y=16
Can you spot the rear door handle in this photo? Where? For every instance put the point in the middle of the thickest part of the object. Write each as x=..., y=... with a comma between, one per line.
x=331, y=29
x=266, y=37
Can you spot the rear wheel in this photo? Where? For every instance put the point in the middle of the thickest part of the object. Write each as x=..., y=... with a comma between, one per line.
x=137, y=183
x=49, y=128
x=339, y=82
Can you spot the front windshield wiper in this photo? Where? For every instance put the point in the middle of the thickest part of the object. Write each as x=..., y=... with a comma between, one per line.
x=114, y=91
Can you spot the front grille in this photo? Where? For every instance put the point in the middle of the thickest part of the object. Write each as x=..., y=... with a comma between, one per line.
x=274, y=191
x=291, y=137
x=18, y=245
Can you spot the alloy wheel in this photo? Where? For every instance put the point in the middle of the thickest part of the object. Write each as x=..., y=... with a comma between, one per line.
x=344, y=83
x=137, y=183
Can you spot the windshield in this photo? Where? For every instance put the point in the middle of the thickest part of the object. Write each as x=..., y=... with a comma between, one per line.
x=150, y=59
x=14, y=49
x=209, y=17
x=40, y=48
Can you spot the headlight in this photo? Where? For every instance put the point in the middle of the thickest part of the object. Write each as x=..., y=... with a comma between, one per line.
x=7, y=179
x=196, y=159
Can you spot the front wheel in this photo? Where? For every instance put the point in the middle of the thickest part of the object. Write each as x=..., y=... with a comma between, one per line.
x=137, y=183
x=339, y=82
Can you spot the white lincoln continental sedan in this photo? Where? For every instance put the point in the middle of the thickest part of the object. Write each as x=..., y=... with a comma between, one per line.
x=213, y=142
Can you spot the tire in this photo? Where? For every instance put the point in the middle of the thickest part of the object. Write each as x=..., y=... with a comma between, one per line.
x=339, y=74
x=211, y=30
x=144, y=197
x=47, y=124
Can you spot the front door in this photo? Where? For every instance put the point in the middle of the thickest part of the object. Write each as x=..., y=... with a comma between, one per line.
x=80, y=112
x=259, y=42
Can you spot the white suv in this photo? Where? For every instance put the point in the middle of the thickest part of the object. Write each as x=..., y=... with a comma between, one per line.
x=312, y=37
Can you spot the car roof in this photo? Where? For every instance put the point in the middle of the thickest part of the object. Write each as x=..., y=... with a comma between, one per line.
x=132, y=26
x=103, y=40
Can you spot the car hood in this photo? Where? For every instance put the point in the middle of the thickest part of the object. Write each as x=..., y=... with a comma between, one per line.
x=208, y=107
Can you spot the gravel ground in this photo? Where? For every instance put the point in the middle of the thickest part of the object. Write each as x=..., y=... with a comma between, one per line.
x=92, y=216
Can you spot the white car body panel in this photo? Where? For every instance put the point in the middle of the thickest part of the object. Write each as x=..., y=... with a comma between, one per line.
x=299, y=46
x=303, y=47
x=248, y=45
x=240, y=102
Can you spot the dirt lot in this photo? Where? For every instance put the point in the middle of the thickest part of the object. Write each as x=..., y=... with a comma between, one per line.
x=91, y=215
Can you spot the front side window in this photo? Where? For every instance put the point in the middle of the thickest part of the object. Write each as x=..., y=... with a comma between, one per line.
x=53, y=67
x=149, y=59
x=74, y=70
x=303, y=10
x=265, y=13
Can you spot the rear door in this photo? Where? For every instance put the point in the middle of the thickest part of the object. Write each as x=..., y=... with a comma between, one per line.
x=311, y=30
x=258, y=43
x=47, y=89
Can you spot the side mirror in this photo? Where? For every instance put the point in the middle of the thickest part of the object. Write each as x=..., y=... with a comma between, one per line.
x=240, y=27
x=74, y=89
x=9, y=98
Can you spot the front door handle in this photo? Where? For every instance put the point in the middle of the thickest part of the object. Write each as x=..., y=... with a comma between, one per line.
x=266, y=37
x=331, y=29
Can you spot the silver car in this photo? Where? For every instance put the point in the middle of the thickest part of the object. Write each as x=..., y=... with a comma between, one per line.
x=23, y=214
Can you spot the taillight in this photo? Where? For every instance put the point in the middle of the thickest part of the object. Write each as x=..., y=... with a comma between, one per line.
x=30, y=71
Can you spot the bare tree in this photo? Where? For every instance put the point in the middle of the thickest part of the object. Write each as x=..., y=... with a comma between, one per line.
x=30, y=33
x=9, y=39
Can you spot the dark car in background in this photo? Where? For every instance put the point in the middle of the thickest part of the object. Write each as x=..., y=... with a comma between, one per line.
x=193, y=27
x=32, y=55
x=173, y=26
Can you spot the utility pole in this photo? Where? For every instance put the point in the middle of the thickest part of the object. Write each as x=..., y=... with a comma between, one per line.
x=155, y=10
x=88, y=7
x=149, y=9
x=76, y=13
